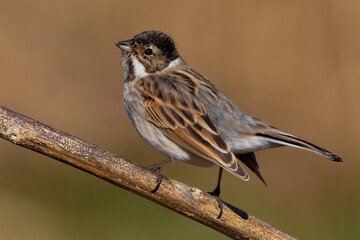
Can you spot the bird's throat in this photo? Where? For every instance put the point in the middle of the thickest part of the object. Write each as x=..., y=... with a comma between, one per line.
x=139, y=69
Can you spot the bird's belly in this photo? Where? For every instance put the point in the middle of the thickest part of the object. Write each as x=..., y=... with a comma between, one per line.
x=159, y=141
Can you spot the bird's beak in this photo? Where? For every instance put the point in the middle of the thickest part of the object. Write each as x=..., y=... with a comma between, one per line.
x=125, y=45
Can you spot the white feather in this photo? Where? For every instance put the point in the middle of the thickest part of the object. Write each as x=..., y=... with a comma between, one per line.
x=139, y=68
x=248, y=145
x=174, y=63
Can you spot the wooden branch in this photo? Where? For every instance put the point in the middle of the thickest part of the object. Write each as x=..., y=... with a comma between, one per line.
x=179, y=197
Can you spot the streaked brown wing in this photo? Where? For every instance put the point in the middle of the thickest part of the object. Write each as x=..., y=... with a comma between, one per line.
x=184, y=121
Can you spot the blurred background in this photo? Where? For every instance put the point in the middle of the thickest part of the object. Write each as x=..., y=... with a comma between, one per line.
x=294, y=64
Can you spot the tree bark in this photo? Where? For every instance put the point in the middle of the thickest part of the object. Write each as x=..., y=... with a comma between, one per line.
x=179, y=197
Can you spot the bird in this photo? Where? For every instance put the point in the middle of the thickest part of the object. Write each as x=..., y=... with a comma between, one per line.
x=184, y=116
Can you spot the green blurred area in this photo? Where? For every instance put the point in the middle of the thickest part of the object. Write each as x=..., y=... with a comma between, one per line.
x=294, y=64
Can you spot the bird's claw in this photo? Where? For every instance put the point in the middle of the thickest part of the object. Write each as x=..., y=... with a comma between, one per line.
x=155, y=168
x=216, y=194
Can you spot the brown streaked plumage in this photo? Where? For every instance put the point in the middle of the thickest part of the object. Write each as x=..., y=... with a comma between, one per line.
x=184, y=120
x=183, y=115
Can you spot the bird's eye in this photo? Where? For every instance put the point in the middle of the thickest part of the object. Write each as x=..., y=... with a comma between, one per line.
x=148, y=51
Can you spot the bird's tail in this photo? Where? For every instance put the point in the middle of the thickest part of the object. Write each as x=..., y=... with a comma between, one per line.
x=282, y=138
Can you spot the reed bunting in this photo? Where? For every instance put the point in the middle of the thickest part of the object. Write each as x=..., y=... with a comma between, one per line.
x=180, y=113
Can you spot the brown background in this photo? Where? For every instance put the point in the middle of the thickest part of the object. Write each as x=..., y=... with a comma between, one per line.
x=294, y=64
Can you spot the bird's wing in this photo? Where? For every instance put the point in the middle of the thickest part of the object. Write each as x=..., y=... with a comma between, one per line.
x=174, y=107
x=250, y=161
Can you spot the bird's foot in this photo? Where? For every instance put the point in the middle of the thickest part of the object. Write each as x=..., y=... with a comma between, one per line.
x=156, y=168
x=216, y=194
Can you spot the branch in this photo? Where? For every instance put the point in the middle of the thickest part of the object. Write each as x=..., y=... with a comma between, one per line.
x=179, y=197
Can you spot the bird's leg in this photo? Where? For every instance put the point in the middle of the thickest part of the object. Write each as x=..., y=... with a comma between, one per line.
x=156, y=168
x=216, y=193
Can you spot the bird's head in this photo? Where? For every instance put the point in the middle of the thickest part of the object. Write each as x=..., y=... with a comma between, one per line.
x=148, y=52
